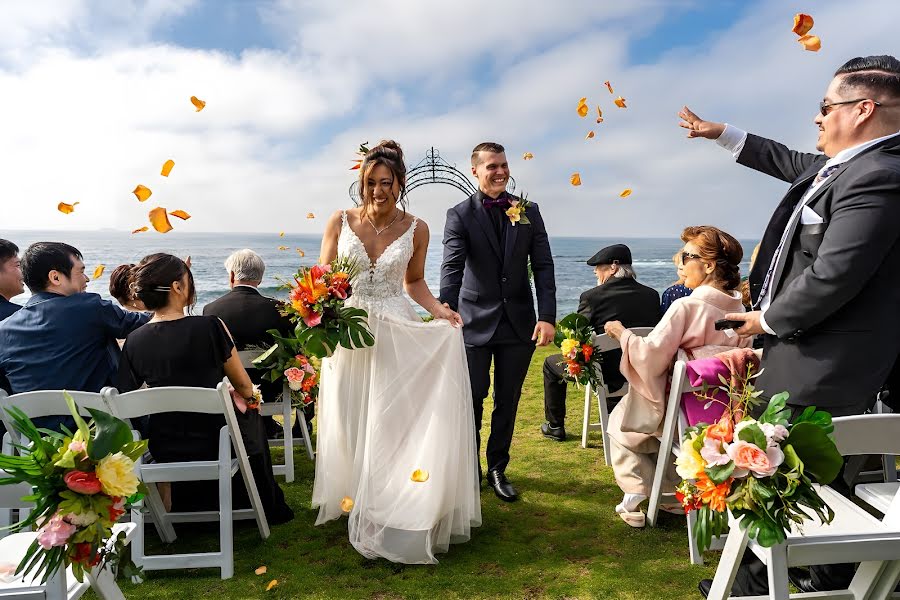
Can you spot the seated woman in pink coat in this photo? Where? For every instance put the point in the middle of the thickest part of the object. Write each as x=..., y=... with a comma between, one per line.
x=710, y=267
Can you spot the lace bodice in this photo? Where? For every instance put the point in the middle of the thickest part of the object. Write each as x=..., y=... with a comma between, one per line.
x=379, y=284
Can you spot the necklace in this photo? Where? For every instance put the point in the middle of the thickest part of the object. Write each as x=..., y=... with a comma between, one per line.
x=385, y=228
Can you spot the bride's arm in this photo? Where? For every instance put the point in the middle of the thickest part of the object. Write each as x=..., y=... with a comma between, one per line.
x=414, y=282
x=328, y=252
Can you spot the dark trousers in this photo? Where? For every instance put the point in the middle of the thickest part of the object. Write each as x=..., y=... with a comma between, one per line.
x=510, y=362
x=555, y=384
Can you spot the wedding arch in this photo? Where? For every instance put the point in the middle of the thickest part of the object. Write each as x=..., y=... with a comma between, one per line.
x=434, y=169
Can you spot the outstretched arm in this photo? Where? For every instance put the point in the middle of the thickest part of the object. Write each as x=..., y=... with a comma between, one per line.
x=454, y=264
x=415, y=284
x=328, y=251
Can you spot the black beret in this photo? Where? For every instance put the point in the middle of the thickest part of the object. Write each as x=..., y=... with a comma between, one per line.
x=619, y=253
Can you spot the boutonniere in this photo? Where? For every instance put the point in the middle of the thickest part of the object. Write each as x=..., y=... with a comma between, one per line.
x=516, y=211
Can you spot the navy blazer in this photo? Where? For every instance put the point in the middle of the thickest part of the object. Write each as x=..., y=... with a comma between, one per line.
x=482, y=281
x=59, y=342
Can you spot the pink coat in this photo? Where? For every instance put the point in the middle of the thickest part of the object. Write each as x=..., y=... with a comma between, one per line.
x=647, y=362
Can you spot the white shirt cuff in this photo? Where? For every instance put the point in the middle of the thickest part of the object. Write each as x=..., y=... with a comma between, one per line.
x=732, y=139
x=764, y=325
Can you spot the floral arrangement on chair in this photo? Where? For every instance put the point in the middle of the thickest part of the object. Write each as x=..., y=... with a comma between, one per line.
x=286, y=359
x=574, y=337
x=762, y=470
x=83, y=483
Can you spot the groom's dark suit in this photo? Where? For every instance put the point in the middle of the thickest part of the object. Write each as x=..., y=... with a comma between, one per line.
x=485, y=278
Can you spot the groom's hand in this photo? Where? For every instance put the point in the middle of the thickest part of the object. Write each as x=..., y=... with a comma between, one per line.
x=543, y=333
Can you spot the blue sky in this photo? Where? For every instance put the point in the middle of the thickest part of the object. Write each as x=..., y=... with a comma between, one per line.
x=96, y=98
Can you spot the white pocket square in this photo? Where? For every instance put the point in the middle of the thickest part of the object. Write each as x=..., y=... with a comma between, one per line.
x=810, y=217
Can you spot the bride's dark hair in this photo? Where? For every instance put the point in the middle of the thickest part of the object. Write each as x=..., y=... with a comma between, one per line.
x=389, y=154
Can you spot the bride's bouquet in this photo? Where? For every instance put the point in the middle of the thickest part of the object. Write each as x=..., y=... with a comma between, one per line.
x=574, y=337
x=762, y=470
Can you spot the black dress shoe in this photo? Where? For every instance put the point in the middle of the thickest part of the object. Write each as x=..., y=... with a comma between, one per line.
x=554, y=433
x=704, y=586
x=801, y=579
x=502, y=487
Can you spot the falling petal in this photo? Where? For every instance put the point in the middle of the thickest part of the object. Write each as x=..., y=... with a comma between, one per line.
x=160, y=220
x=802, y=24
x=582, y=107
x=272, y=584
x=419, y=476
x=620, y=102
x=310, y=216
x=66, y=208
x=180, y=214
x=608, y=86
x=599, y=115
x=140, y=229
x=347, y=504
x=167, y=167
x=358, y=164
x=142, y=193
x=575, y=179
x=281, y=234
x=282, y=247
x=198, y=103
x=98, y=272
x=527, y=156
x=811, y=43
x=300, y=252
x=589, y=135
x=625, y=193
x=261, y=570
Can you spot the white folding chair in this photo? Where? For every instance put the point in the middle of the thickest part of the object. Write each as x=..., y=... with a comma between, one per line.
x=283, y=408
x=151, y=401
x=603, y=343
x=880, y=495
x=854, y=536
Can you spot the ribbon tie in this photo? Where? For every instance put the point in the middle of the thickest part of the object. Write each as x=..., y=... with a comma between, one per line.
x=502, y=201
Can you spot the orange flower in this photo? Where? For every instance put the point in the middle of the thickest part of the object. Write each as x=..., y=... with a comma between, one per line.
x=312, y=285
x=723, y=430
x=714, y=495
x=588, y=351
x=573, y=367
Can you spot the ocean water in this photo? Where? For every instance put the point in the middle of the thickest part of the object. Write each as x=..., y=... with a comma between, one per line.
x=652, y=258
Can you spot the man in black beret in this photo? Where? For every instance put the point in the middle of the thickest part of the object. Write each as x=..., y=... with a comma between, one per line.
x=617, y=297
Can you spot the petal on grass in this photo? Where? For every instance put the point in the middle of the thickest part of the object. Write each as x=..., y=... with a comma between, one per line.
x=261, y=570
x=272, y=584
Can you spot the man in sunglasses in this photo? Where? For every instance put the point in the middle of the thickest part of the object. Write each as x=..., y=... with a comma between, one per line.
x=824, y=286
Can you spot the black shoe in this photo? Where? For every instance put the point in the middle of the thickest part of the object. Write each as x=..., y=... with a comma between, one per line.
x=704, y=586
x=554, y=433
x=502, y=487
x=801, y=579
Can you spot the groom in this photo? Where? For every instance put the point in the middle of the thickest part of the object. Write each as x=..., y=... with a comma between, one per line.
x=485, y=278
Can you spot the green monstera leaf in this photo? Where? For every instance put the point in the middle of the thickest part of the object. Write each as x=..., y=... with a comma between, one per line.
x=110, y=434
x=820, y=457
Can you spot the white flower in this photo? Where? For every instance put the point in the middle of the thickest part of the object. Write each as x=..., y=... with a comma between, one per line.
x=82, y=520
x=775, y=434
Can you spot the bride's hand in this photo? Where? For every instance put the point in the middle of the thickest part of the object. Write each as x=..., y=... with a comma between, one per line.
x=443, y=311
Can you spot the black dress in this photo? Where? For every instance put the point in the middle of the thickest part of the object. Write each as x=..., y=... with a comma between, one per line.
x=192, y=352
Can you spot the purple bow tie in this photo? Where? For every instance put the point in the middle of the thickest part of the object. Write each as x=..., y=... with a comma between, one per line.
x=502, y=201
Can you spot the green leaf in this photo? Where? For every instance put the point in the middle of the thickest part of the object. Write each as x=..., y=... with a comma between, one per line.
x=73, y=408
x=753, y=435
x=791, y=459
x=110, y=434
x=816, y=417
x=264, y=358
x=776, y=412
x=820, y=457
x=720, y=473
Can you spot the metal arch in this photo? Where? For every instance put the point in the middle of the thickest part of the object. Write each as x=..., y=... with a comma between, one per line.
x=434, y=169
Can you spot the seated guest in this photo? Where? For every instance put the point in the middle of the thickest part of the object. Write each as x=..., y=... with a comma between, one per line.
x=178, y=350
x=249, y=316
x=617, y=296
x=710, y=268
x=120, y=288
x=11, y=283
x=62, y=338
x=676, y=290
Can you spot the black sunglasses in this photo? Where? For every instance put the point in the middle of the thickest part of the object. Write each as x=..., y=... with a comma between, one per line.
x=823, y=106
x=685, y=256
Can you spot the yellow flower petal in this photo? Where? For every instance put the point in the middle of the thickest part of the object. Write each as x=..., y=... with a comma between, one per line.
x=261, y=570
x=589, y=135
x=180, y=214
x=582, y=107
x=140, y=229
x=527, y=156
x=608, y=86
x=282, y=247
x=419, y=476
x=198, y=103
x=98, y=272
x=281, y=234
x=620, y=102
x=167, y=167
x=300, y=252
x=625, y=193
x=310, y=216
x=142, y=193
x=575, y=179
x=160, y=220
x=811, y=43
x=272, y=584
x=66, y=208
x=802, y=24
x=347, y=504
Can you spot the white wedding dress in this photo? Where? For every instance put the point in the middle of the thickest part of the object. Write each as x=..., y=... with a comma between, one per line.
x=386, y=411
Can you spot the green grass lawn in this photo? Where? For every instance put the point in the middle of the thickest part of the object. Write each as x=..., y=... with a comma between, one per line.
x=561, y=540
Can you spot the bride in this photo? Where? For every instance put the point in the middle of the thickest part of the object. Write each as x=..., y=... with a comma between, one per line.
x=396, y=443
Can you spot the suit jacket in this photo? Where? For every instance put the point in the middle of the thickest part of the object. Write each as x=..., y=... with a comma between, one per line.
x=483, y=281
x=835, y=295
x=619, y=299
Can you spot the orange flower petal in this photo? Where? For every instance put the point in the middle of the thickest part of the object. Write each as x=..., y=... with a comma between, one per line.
x=347, y=504
x=198, y=103
x=599, y=115
x=160, y=220
x=625, y=193
x=419, y=476
x=811, y=43
x=66, y=208
x=272, y=584
x=575, y=179
x=527, y=156
x=589, y=135
x=608, y=86
x=310, y=216
x=167, y=167
x=582, y=107
x=140, y=229
x=98, y=272
x=282, y=247
x=802, y=24
x=180, y=214
x=261, y=570
x=142, y=193
x=300, y=252
x=620, y=102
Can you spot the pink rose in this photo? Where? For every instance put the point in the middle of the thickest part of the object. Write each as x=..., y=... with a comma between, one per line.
x=749, y=457
x=55, y=532
x=82, y=482
x=295, y=378
x=313, y=319
x=712, y=453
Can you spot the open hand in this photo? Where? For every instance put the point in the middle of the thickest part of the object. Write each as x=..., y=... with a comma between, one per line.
x=697, y=127
x=543, y=333
x=443, y=311
x=613, y=329
x=751, y=326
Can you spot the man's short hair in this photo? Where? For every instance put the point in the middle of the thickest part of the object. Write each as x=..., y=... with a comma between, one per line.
x=492, y=147
x=246, y=265
x=42, y=257
x=878, y=75
x=8, y=250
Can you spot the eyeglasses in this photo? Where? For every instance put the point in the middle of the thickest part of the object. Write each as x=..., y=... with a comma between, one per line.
x=686, y=256
x=823, y=106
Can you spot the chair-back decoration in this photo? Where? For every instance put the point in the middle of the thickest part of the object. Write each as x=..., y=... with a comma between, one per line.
x=574, y=336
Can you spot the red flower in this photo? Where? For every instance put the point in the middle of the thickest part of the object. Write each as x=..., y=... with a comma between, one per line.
x=84, y=555
x=308, y=383
x=307, y=399
x=574, y=368
x=82, y=482
x=588, y=350
x=117, y=508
